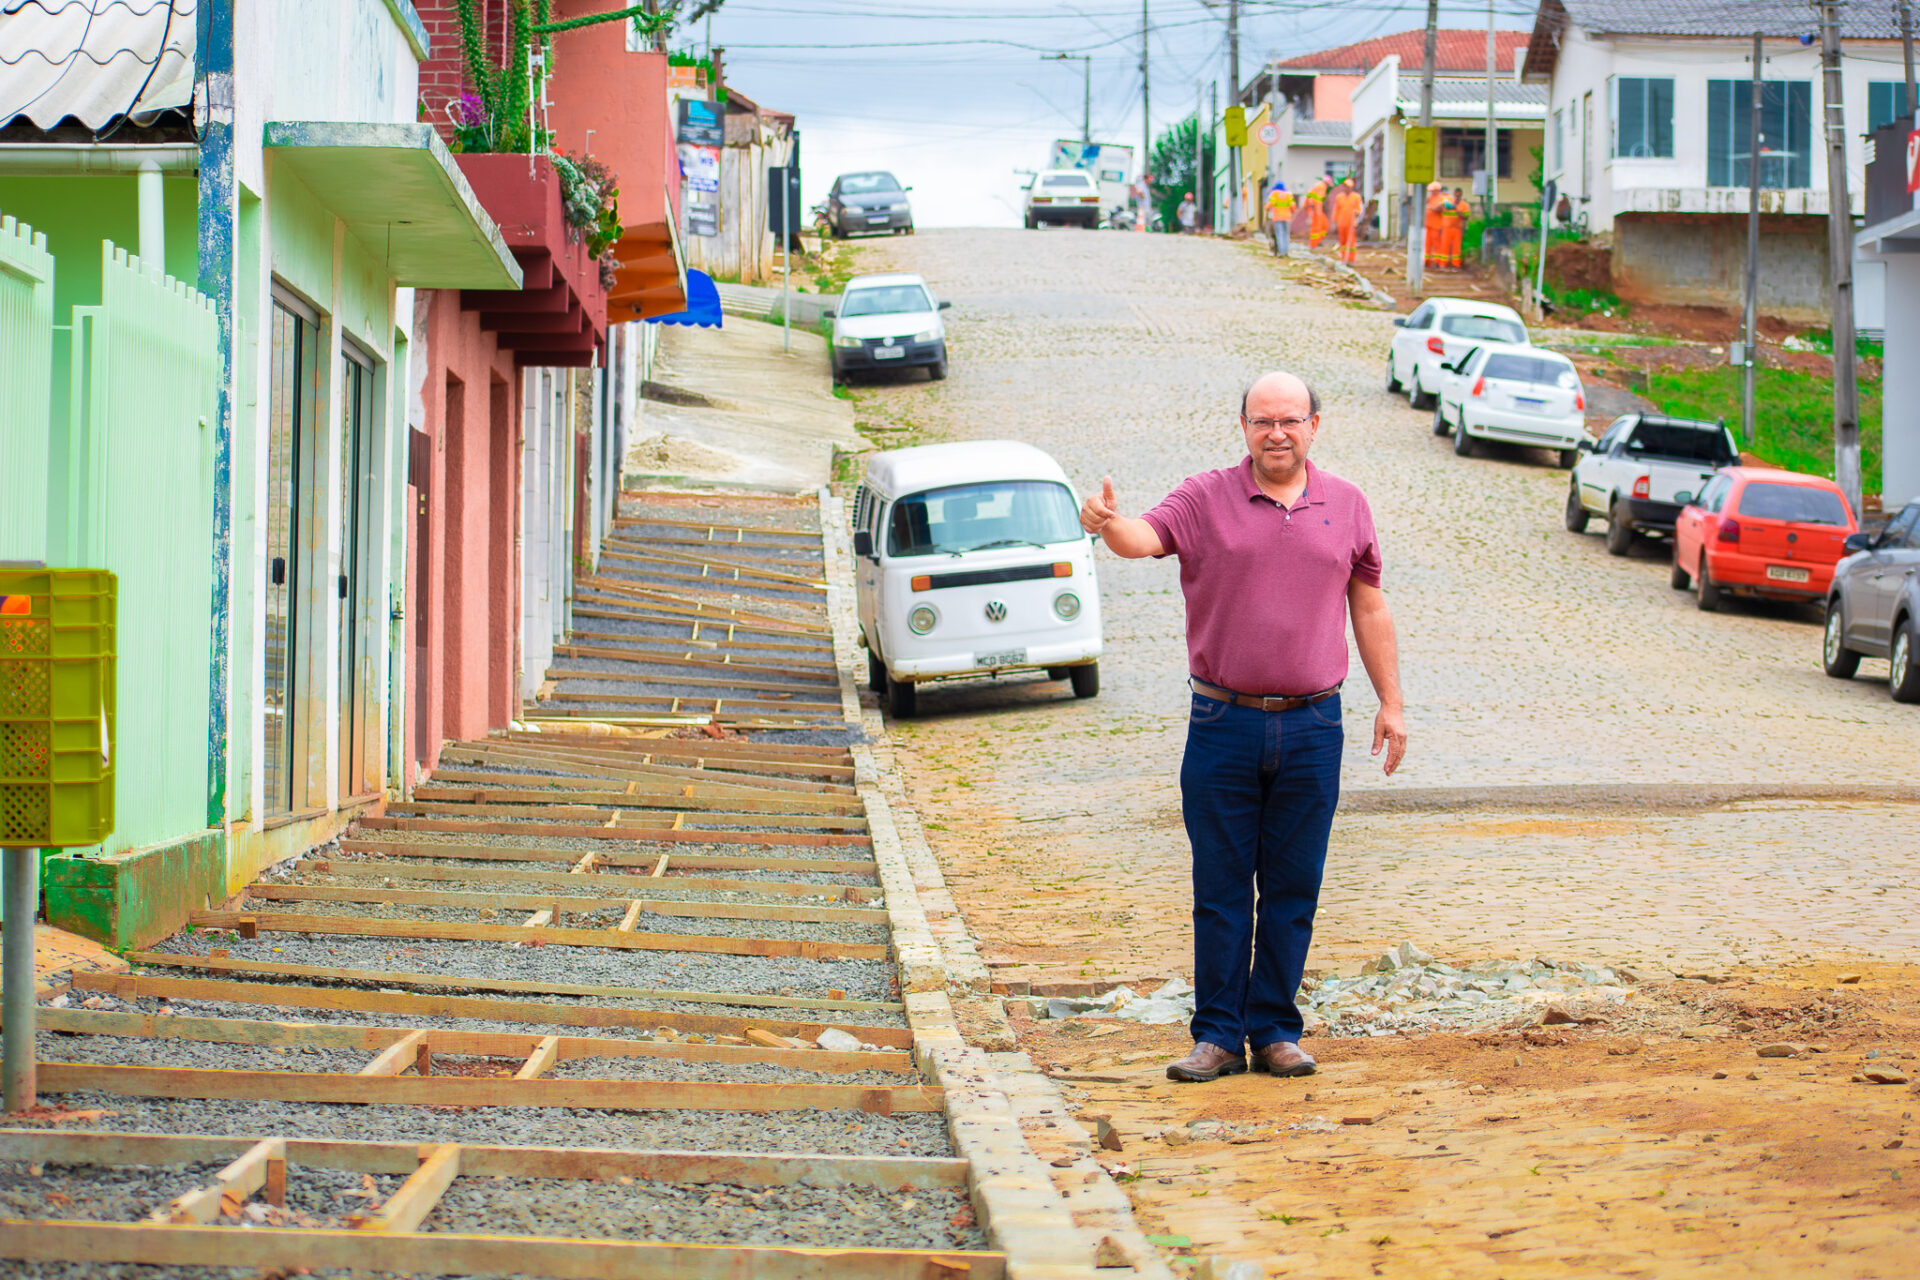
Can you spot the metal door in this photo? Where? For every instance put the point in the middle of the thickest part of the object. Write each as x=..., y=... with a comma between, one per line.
x=350, y=621
x=292, y=400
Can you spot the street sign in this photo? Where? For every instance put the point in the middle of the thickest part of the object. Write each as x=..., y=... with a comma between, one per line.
x=783, y=199
x=1269, y=134
x=1421, y=144
x=1235, y=126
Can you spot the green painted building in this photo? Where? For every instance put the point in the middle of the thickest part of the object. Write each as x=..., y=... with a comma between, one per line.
x=230, y=206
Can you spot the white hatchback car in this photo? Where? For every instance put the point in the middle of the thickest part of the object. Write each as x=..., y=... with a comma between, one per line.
x=970, y=561
x=1063, y=195
x=1440, y=330
x=888, y=321
x=1519, y=395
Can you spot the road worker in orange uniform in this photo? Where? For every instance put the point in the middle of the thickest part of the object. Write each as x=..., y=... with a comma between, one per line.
x=1280, y=218
x=1454, y=219
x=1345, y=208
x=1436, y=201
x=1316, y=200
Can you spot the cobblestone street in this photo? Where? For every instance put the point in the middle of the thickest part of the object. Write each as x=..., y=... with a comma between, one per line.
x=1597, y=772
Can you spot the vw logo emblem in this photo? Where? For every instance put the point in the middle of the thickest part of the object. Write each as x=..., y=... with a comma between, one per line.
x=887, y=343
x=996, y=611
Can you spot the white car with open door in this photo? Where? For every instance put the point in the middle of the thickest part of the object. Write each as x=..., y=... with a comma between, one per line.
x=1516, y=395
x=1440, y=331
x=971, y=563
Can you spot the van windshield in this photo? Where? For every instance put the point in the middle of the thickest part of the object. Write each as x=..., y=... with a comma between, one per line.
x=972, y=517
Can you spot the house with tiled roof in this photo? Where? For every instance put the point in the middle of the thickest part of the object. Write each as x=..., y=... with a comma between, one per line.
x=1648, y=109
x=1309, y=97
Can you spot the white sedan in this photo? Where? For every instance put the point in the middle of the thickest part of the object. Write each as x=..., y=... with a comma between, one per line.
x=1518, y=395
x=1441, y=330
x=888, y=321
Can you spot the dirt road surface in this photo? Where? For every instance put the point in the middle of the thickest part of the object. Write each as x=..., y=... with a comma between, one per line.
x=1598, y=772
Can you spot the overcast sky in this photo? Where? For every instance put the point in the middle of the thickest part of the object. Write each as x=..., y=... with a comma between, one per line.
x=955, y=96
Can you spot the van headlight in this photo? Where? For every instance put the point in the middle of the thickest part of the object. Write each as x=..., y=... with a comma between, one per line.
x=1067, y=606
x=843, y=340
x=922, y=619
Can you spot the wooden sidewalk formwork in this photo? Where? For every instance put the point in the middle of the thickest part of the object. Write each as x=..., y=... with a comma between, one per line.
x=613, y=882
x=386, y=1238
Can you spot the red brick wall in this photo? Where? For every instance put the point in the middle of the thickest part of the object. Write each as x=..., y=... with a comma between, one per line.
x=444, y=73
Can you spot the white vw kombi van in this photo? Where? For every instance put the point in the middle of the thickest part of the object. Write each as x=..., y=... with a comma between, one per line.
x=971, y=562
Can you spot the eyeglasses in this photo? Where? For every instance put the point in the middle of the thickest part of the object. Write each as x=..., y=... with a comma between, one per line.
x=1270, y=424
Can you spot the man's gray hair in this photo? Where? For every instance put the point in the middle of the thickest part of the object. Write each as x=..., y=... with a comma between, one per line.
x=1313, y=397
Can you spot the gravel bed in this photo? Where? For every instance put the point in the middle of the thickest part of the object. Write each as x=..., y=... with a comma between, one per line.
x=586, y=844
x=852, y=1018
x=643, y=886
x=697, y=1213
x=136, y=1051
x=853, y=1133
x=316, y=1198
x=669, y=970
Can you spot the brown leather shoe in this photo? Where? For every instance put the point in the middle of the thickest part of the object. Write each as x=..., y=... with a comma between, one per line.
x=1207, y=1062
x=1283, y=1058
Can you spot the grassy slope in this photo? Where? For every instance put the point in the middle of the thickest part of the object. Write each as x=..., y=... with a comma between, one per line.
x=1794, y=414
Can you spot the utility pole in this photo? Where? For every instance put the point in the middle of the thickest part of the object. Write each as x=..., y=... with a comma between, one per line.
x=1750, y=334
x=1213, y=122
x=1199, y=118
x=1493, y=128
x=1416, y=195
x=1146, y=114
x=1846, y=392
x=1086, y=89
x=1905, y=8
x=1233, y=95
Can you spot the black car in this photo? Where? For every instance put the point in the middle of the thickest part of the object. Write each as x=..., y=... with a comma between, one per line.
x=862, y=202
x=1873, y=607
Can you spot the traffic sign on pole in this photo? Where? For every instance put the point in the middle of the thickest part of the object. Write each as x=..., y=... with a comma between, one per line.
x=1421, y=144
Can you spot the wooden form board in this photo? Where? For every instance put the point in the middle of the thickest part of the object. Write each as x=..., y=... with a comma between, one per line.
x=480, y=1091
x=567, y=902
x=681, y=655
x=392, y=978
x=464, y=931
x=642, y=820
x=615, y=883
x=578, y=1164
x=439, y=1252
x=717, y=778
x=498, y=789
x=480, y=1044
x=703, y=861
x=349, y=999
x=579, y=831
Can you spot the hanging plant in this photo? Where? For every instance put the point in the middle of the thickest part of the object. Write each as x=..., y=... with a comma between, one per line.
x=590, y=195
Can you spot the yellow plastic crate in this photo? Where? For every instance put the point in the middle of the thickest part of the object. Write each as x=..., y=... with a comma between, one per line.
x=56, y=706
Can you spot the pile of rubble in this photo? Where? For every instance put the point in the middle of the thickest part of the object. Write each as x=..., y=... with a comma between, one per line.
x=1405, y=989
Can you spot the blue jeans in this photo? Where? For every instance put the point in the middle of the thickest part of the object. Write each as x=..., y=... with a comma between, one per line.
x=1258, y=790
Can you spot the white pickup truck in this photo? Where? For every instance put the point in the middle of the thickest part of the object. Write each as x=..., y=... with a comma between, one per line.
x=1641, y=472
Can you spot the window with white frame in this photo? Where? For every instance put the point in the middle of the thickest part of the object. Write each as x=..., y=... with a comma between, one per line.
x=1556, y=141
x=1642, y=116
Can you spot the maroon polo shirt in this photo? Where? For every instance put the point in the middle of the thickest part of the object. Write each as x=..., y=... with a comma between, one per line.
x=1266, y=585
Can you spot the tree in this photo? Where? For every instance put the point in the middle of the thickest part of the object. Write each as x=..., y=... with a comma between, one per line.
x=1170, y=171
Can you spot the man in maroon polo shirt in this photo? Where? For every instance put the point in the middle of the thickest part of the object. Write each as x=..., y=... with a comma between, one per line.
x=1275, y=554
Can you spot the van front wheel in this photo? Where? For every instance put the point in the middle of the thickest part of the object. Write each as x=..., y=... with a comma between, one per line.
x=1086, y=680
x=900, y=698
x=876, y=672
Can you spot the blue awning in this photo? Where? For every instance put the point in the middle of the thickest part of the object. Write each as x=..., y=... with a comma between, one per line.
x=703, y=303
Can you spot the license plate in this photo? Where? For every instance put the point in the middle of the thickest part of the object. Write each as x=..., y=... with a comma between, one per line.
x=888, y=353
x=1004, y=658
x=880, y=218
x=1781, y=573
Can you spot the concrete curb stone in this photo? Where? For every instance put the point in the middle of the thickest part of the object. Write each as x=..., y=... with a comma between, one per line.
x=1018, y=1200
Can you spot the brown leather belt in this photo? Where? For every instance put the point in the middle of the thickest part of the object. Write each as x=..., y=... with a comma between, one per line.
x=1218, y=694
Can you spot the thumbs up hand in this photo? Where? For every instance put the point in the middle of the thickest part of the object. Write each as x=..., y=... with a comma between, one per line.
x=1099, y=508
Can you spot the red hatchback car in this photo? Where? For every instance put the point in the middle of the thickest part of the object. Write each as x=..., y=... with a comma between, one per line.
x=1759, y=532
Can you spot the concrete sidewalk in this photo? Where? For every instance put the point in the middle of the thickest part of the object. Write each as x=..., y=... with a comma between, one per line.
x=731, y=406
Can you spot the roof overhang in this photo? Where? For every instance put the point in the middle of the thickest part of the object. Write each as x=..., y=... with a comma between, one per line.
x=651, y=270
x=400, y=194
x=1896, y=235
